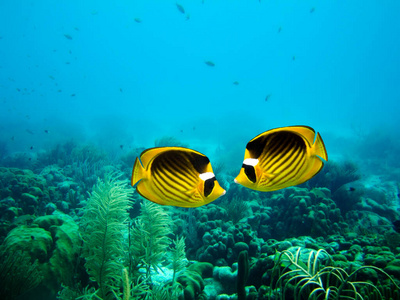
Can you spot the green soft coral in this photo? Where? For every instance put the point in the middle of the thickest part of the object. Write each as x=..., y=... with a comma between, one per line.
x=149, y=237
x=104, y=228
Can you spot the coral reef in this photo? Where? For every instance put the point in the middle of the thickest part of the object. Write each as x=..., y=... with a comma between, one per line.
x=135, y=249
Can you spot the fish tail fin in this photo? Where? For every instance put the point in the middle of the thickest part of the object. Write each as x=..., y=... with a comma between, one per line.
x=138, y=172
x=319, y=148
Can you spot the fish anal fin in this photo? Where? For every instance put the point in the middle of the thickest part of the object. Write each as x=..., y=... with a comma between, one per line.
x=145, y=193
x=315, y=169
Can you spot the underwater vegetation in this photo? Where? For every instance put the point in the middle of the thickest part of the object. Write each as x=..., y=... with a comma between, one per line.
x=77, y=230
x=315, y=276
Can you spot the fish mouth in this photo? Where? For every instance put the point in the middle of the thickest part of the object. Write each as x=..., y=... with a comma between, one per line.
x=235, y=180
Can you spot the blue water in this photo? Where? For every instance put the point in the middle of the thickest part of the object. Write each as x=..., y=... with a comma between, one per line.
x=333, y=66
x=121, y=74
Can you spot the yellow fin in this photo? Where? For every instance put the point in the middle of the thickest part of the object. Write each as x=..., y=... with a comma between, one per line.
x=138, y=172
x=150, y=153
x=316, y=167
x=305, y=132
x=145, y=193
x=319, y=148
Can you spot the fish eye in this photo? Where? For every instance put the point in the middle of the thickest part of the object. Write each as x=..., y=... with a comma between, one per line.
x=250, y=172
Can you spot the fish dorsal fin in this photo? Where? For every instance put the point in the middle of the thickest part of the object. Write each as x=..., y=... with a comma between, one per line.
x=151, y=153
x=256, y=145
x=305, y=132
x=317, y=147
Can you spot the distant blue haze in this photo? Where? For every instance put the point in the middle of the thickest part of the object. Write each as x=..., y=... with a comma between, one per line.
x=332, y=65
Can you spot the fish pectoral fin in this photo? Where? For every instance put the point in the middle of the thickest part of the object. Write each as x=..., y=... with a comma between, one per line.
x=266, y=177
x=193, y=196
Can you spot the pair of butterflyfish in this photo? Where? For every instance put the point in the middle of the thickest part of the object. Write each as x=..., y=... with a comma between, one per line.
x=273, y=160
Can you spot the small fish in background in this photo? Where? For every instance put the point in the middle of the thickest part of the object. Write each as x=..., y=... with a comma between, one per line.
x=175, y=176
x=121, y=147
x=46, y=131
x=18, y=89
x=279, y=29
x=312, y=10
x=187, y=17
x=267, y=97
x=51, y=77
x=94, y=12
x=137, y=20
x=120, y=89
x=351, y=189
x=29, y=131
x=67, y=36
x=282, y=157
x=59, y=91
x=209, y=63
x=76, y=28
x=236, y=82
x=31, y=147
x=294, y=57
x=67, y=63
x=180, y=8
x=73, y=95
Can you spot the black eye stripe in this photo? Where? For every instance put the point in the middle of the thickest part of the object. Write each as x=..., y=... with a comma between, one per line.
x=209, y=186
x=250, y=172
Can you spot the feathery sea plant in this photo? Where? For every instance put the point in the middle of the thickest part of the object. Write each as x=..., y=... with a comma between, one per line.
x=296, y=279
x=104, y=225
x=179, y=260
x=17, y=274
x=149, y=237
